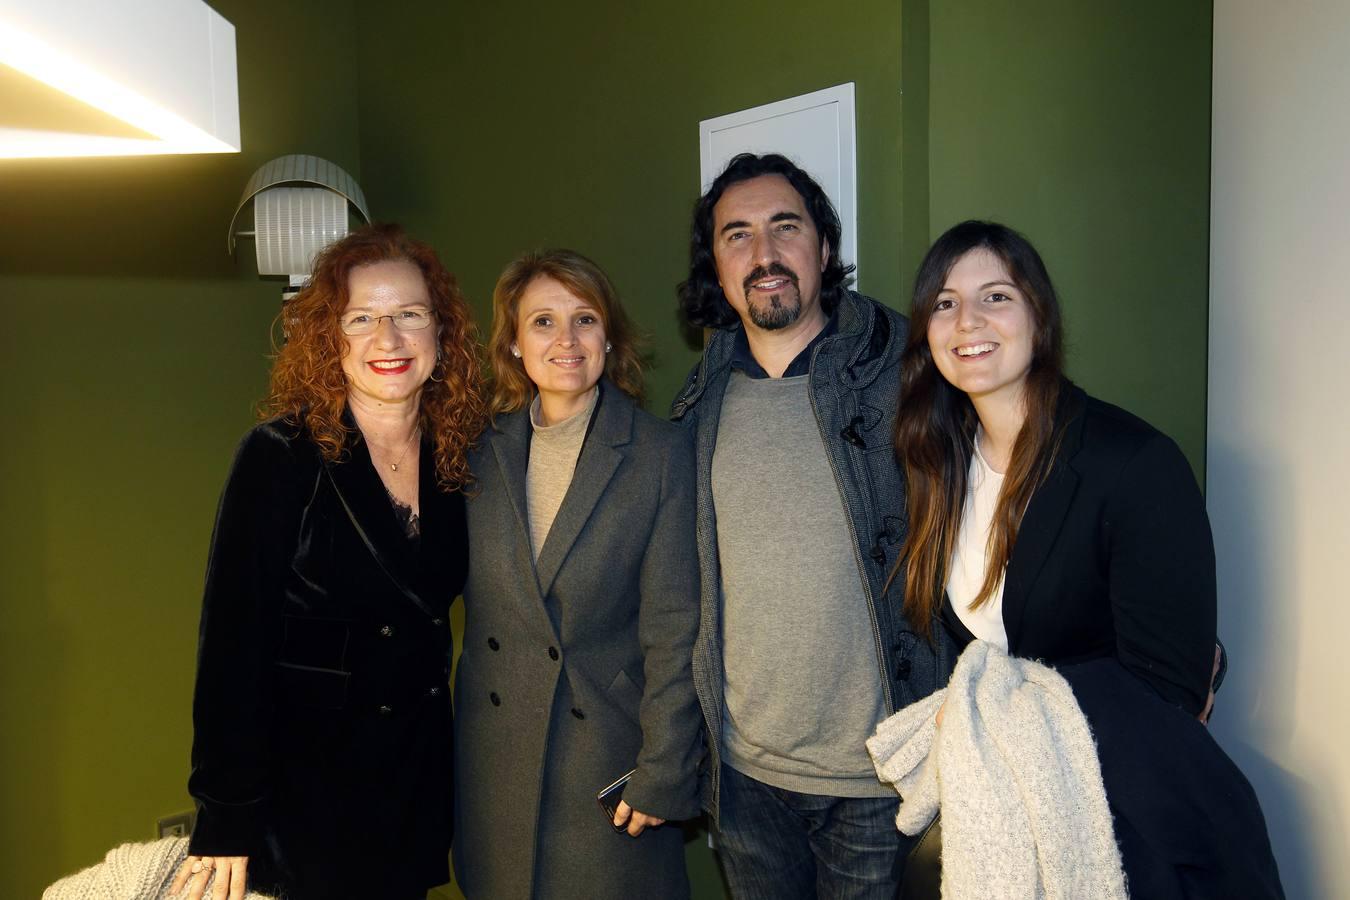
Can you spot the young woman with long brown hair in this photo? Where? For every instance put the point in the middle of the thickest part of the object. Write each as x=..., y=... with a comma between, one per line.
x=1063, y=529
x=1005, y=457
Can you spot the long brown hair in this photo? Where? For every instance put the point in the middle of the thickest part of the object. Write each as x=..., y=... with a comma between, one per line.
x=935, y=424
x=309, y=387
x=511, y=387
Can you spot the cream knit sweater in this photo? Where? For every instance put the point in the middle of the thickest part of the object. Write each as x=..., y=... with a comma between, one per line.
x=130, y=872
x=1014, y=772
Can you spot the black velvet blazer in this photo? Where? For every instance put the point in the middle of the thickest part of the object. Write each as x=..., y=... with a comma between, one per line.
x=322, y=715
x=1114, y=557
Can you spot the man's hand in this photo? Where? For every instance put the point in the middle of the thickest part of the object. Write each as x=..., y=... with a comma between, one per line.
x=637, y=821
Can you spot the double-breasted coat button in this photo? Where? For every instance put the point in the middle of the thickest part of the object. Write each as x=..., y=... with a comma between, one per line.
x=385, y=709
x=553, y=653
x=438, y=621
x=386, y=631
x=902, y=669
x=492, y=643
x=578, y=713
x=434, y=690
x=496, y=701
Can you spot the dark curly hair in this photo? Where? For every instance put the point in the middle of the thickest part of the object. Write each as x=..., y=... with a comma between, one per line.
x=702, y=302
x=308, y=385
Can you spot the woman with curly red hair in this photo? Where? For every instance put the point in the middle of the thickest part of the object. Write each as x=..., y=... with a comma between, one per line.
x=321, y=757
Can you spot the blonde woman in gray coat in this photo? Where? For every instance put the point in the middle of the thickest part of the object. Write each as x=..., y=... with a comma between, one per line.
x=581, y=609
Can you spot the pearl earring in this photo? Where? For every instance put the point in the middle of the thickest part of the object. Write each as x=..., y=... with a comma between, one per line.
x=608, y=346
x=515, y=351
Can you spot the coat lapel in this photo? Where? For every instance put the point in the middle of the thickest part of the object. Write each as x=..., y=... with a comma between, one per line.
x=366, y=502
x=599, y=460
x=441, y=528
x=511, y=449
x=1043, y=519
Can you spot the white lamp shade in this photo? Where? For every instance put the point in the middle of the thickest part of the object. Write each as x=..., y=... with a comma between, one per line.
x=293, y=224
x=299, y=207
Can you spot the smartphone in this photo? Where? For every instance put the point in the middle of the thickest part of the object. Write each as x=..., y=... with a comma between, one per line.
x=609, y=798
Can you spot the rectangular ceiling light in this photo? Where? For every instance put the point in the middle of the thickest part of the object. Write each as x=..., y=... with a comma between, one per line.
x=101, y=78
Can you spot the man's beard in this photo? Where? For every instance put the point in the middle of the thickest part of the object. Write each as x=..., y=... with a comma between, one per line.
x=783, y=308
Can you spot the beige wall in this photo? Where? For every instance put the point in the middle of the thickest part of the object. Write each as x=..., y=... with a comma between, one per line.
x=1279, y=483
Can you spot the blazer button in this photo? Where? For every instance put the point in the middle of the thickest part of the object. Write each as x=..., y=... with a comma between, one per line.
x=438, y=622
x=386, y=631
x=385, y=709
x=492, y=642
x=553, y=653
x=578, y=713
x=496, y=701
x=434, y=690
x=902, y=669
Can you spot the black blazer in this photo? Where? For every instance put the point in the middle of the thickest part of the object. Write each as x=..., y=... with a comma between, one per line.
x=1114, y=557
x=321, y=713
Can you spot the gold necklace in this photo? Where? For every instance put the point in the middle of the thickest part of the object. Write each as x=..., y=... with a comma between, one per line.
x=406, y=447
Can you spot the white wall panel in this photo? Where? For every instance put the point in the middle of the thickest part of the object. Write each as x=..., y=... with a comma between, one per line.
x=1278, y=424
x=816, y=131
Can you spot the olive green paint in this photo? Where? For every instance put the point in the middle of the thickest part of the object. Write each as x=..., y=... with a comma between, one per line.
x=133, y=351
x=135, y=347
x=1086, y=126
x=495, y=128
x=491, y=129
x=914, y=109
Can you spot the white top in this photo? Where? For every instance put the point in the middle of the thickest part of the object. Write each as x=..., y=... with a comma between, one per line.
x=971, y=554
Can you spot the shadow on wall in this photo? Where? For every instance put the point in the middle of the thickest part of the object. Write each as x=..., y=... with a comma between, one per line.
x=1254, y=710
x=156, y=217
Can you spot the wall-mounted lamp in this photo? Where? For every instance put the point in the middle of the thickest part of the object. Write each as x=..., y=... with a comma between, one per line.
x=100, y=78
x=299, y=207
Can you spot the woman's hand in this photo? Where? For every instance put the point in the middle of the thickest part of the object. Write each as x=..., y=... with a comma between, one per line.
x=231, y=877
x=637, y=821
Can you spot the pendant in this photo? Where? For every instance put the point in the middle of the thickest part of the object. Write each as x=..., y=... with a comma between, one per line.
x=394, y=466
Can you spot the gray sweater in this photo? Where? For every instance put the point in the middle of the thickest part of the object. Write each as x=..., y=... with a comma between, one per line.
x=802, y=692
x=854, y=380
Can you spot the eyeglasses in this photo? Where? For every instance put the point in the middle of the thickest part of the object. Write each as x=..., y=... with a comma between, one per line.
x=404, y=320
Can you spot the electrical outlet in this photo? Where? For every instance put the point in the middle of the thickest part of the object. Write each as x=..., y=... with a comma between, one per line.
x=176, y=825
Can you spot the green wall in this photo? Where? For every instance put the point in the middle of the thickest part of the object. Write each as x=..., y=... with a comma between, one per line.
x=490, y=129
x=493, y=128
x=135, y=347
x=133, y=351
x=1086, y=126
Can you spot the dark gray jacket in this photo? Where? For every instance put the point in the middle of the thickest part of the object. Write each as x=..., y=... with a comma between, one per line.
x=854, y=388
x=576, y=668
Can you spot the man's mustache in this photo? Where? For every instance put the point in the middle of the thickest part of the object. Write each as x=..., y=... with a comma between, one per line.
x=765, y=271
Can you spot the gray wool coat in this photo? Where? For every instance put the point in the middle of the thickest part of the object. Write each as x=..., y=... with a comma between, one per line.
x=577, y=669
